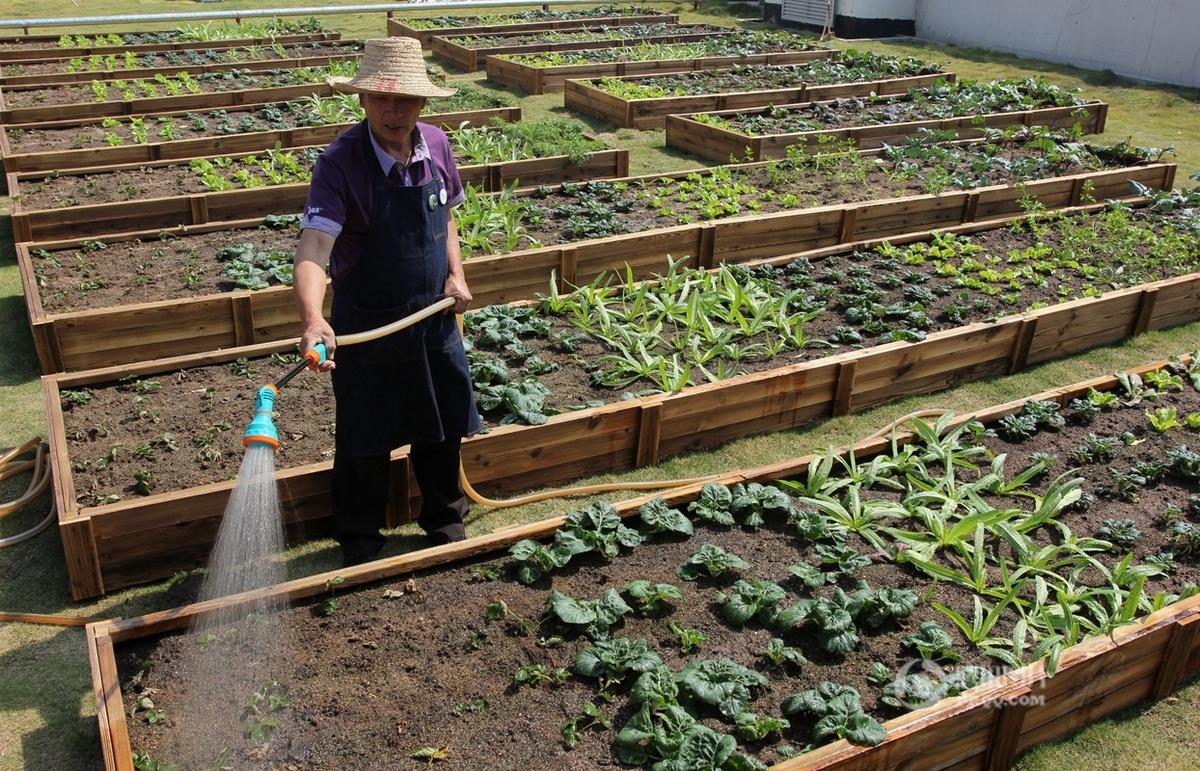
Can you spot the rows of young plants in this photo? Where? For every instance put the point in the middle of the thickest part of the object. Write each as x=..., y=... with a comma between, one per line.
x=175, y=85
x=604, y=340
x=941, y=100
x=209, y=31
x=761, y=621
x=837, y=173
x=493, y=143
x=740, y=43
x=852, y=67
x=132, y=60
x=103, y=275
x=312, y=110
x=632, y=32
x=517, y=17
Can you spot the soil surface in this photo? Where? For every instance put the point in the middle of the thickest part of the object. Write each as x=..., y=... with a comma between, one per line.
x=762, y=77
x=208, y=82
x=456, y=22
x=565, y=214
x=402, y=664
x=858, y=111
x=204, y=409
x=58, y=191
x=635, y=32
x=271, y=116
x=197, y=57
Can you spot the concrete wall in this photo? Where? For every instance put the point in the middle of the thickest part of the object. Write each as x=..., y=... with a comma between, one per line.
x=1156, y=40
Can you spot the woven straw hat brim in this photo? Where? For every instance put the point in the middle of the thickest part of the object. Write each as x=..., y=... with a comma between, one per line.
x=378, y=85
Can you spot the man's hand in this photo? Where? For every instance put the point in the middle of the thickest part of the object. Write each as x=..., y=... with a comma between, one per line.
x=456, y=287
x=320, y=332
x=308, y=281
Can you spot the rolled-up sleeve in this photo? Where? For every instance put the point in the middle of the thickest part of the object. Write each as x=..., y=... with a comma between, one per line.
x=454, y=185
x=325, y=209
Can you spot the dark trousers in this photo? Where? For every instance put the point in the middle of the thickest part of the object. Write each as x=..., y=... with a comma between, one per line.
x=360, y=494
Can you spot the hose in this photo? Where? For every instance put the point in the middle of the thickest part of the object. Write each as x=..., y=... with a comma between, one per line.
x=37, y=485
x=664, y=484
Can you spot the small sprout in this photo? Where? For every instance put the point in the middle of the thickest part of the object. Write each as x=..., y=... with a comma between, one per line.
x=465, y=707
x=535, y=674
x=572, y=730
x=430, y=754
x=778, y=654
x=689, y=639
x=499, y=610
x=932, y=642
x=1162, y=419
x=483, y=573
x=880, y=675
x=330, y=605
x=1121, y=532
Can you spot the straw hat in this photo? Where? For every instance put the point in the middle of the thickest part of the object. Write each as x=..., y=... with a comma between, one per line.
x=391, y=65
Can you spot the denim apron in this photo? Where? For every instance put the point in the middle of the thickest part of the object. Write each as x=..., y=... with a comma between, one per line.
x=413, y=385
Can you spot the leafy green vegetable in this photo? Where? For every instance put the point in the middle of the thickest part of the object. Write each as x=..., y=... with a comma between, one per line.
x=839, y=714
x=932, y=642
x=659, y=518
x=720, y=683
x=595, y=617
x=779, y=654
x=610, y=661
x=651, y=599
x=714, y=505
x=750, y=599
x=711, y=561
x=597, y=528
x=533, y=560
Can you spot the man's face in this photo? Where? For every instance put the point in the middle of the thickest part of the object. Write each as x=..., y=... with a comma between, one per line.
x=392, y=118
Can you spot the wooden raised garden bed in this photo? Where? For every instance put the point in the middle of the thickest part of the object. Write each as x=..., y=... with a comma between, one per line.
x=49, y=160
x=201, y=208
x=452, y=49
x=40, y=47
x=651, y=113
x=320, y=60
x=96, y=337
x=987, y=726
x=402, y=28
x=543, y=80
x=117, y=544
x=686, y=133
x=11, y=116
x=302, y=55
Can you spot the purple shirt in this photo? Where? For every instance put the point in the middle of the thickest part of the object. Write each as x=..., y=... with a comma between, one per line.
x=340, y=196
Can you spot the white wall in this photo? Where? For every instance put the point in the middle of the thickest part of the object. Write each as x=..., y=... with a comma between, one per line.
x=1157, y=40
x=877, y=9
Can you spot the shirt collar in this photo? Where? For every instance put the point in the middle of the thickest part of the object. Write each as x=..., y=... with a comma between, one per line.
x=420, y=151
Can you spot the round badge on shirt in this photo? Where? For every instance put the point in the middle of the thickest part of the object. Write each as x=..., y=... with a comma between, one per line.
x=442, y=196
x=433, y=202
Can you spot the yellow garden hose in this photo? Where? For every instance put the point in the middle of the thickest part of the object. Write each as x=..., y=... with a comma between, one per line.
x=10, y=467
x=662, y=484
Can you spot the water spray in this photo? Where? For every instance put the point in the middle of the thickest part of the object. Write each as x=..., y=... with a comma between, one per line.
x=262, y=432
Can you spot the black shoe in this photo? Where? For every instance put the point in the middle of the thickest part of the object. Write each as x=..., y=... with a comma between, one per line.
x=360, y=550
x=448, y=533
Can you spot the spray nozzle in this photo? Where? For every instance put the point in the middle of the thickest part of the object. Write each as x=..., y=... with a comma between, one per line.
x=262, y=428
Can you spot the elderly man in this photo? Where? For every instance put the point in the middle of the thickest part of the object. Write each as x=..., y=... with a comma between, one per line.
x=379, y=213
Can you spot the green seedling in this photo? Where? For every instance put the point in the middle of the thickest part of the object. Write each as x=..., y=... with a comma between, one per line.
x=330, y=605
x=689, y=639
x=499, y=610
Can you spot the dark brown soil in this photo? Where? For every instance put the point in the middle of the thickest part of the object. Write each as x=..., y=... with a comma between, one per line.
x=383, y=675
x=75, y=94
x=635, y=32
x=120, y=418
x=67, y=285
x=234, y=57
x=57, y=191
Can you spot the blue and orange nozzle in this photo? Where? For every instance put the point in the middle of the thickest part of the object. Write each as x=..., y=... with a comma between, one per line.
x=261, y=430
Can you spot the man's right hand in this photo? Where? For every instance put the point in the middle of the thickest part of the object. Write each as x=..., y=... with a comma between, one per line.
x=320, y=332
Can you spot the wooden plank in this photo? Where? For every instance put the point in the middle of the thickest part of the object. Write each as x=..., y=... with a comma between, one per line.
x=1184, y=642
x=83, y=562
x=100, y=689
x=845, y=388
x=649, y=433
x=242, y=306
x=1145, y=311
x=34, y=52
x=114, y=707
x=1024, y=339
x=1006, y=733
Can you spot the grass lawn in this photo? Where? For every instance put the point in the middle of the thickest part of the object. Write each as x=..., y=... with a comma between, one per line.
x=46, y=710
